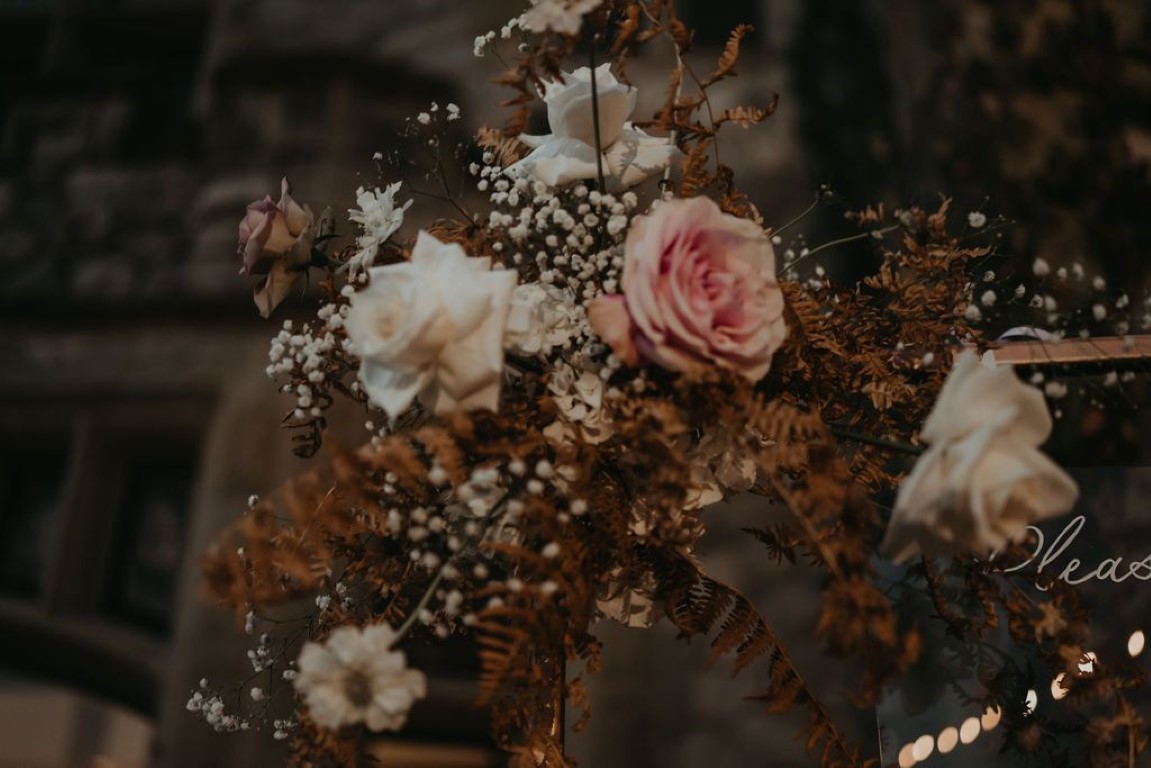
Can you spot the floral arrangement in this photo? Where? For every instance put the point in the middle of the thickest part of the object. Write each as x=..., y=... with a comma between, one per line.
x=557, y=387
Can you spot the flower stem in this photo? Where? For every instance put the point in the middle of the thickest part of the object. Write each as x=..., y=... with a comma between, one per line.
x=595, y=111
x=439, y=577
x=879, y=442
x=411, y=620
x=800, y=217
x=841, y=241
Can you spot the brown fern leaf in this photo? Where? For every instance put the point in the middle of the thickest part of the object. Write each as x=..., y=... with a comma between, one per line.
x=745, y=117
x=730, y=56
x=695, y=174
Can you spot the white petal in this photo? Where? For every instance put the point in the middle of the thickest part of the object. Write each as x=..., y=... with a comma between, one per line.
x=635, y=156
x=392, y=389
x=974, y=395
x=558, y=161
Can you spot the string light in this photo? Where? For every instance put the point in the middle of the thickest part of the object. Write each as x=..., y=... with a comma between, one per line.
x=923, y=747
x=1136, y=643
x=1059, y=687
x=969, y=731
x=990, y=718
x=948, y=739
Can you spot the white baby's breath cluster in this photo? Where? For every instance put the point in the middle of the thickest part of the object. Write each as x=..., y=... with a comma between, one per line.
x=572, y=238
x=300, y=354
x=559, y=229
x=448, y=539
x=484, y=42
x=210, y=705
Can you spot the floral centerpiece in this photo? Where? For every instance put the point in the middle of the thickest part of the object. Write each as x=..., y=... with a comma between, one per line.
x=559, y=384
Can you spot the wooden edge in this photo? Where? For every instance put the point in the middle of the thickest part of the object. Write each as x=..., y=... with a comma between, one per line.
x=1127, y=349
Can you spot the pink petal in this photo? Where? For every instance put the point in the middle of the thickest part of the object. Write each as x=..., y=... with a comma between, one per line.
x=610, y=320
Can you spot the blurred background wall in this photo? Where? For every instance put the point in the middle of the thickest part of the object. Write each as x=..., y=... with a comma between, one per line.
x=135, y=416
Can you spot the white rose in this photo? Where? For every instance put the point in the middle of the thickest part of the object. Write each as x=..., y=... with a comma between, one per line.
x=563, y=16
x=432, y=327
x=983, y=480
x=567, y=154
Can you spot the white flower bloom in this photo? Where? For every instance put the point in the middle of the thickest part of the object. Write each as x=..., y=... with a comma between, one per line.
x=432, y=328
x=976, y=219
x=379, y=218
x=579, y=397
x=984, y=479
x=630, y=604
x=563, y=16
x=718, y=464
x=356, y=677
x=542, y=318
x=567, y=154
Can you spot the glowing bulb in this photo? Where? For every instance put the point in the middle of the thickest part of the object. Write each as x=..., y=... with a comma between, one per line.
x=1136, y=643
x=991, y=718
x=948, y=739
x=923, y=747
x=1087, y=665
x=1031, y=702
x=1058, y=687
x=969, y=731
x=906, y=758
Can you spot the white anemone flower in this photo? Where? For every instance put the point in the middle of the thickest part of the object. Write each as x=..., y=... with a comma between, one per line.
x=355, y=677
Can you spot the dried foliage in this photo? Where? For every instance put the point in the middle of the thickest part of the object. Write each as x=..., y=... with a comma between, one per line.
x=828, y=431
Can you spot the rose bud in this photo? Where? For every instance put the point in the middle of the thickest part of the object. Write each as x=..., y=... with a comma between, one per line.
x=276, y=241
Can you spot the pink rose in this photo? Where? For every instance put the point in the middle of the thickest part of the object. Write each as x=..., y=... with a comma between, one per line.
x=276, y=240
x=699, y=289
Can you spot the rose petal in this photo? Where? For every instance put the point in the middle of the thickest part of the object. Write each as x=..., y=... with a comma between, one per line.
x=558, y=161
x=635, y=156
x=295, y=216
x=609, y=318
x=973, y=394
x=392, y=389
x=274, y=288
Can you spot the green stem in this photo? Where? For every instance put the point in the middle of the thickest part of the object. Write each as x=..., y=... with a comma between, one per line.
x=840, y=241
x=800, y=217
x=439, y=577
x=411, y=620
x=595, y=112
x=879, y=442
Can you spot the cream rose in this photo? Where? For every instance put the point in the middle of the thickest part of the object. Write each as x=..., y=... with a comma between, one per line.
x=568, y=154
x=699, y=289
x=432, y=327
x=563, y=16
x=983, y=480
x=276, y=241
